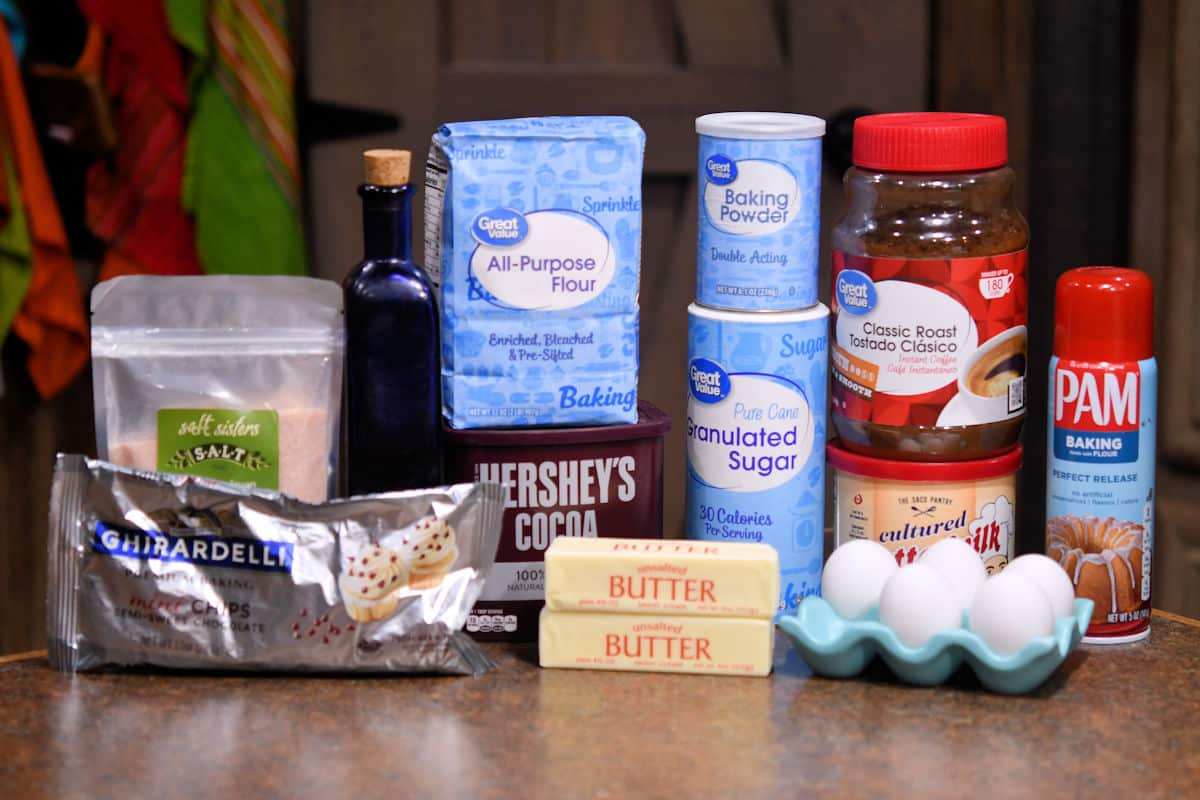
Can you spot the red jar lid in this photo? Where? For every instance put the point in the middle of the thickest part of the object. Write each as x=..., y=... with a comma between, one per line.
x=1104, y=314
x=930, y=141
x=944, y=471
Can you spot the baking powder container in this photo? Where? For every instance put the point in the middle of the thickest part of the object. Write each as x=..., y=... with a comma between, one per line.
x=759, y=187
x=755, y=432
x=593, y=481
x=908, y=506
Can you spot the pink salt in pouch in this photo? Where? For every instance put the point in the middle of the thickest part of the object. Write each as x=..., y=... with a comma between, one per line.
x=231, y=377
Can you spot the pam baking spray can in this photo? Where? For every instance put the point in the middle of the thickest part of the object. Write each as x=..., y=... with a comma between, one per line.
x=1100, y=465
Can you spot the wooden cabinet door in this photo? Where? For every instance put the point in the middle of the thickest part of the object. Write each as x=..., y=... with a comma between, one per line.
x=1165, y=236
x=662, y=63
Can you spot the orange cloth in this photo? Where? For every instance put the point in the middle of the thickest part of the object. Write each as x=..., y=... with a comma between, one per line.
x=52, y=321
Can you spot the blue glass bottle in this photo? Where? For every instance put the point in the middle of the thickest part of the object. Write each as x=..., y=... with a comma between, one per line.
x=392, y=378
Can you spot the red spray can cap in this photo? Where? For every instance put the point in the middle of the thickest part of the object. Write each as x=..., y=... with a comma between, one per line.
x=1104, y=314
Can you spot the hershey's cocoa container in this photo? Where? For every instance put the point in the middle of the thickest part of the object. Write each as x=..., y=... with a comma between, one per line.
x=593, y=481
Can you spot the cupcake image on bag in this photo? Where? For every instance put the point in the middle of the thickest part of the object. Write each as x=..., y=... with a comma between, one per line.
x=430, y=551
x=372, y=582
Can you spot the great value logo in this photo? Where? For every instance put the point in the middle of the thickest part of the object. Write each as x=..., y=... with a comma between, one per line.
x=1096, y=413
x=500, y=227
x=708, y=381
x=855, y=292
x=544, y=260
x=720, y=169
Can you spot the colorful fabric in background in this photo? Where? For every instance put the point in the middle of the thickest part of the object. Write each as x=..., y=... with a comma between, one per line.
x=51, y=320
x=16, y=26
x=205, y=175
x=241, y=176
x=16, y=252
x=134, y=197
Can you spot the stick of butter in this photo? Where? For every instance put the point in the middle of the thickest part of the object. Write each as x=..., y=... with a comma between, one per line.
x=662, y=576
x=656, y=643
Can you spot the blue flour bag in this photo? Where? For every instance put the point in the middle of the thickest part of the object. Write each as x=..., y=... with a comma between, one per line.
x=533, y=235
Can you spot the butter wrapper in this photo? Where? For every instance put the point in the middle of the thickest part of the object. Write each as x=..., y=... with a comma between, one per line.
x=147, y=568
x=645, y=576
x=656, y=643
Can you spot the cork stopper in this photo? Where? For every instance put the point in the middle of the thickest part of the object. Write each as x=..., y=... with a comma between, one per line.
x=387, y=167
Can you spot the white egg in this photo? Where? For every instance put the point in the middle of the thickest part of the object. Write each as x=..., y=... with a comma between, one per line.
x=916, y=603
x=1010, y=610
x=960, y=565
x=1051, y=577
x=854, y=577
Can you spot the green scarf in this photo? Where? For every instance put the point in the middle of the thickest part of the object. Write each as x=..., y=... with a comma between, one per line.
x=248, y=217
x=16, y=251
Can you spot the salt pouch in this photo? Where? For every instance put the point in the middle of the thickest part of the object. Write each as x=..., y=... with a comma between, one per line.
x=533, y=234
x=231, y=377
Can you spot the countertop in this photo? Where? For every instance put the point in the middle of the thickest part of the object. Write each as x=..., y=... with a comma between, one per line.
x=1113, y=722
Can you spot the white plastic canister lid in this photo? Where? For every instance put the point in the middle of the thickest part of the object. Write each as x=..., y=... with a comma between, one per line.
x=760, y=125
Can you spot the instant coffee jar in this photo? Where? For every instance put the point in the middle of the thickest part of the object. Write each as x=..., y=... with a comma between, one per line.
x=929, y=290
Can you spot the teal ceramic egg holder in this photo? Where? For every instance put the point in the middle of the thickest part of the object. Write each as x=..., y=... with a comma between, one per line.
x=839, y=648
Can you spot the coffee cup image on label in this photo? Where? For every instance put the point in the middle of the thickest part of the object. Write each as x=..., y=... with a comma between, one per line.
x=917, y=352
x=543, y=261
x=991, y=384
x=747, y=431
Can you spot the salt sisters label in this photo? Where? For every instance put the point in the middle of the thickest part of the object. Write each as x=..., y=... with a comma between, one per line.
x=235, y=446
x=929, y=342
x=755, y=430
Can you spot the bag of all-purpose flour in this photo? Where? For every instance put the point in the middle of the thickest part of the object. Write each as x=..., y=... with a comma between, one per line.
x=533, y=233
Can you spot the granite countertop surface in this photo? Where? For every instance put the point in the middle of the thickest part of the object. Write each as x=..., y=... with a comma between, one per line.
x=1113, y=722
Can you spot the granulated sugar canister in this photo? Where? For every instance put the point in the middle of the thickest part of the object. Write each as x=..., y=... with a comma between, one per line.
x=760, y=203
x=756, y=434
x=591, y=481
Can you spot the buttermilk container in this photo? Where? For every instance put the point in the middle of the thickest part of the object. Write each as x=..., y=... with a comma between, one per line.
x=929, y=291
x=908, y=507
x=1100, y=465
x=589, y=481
